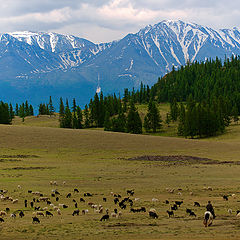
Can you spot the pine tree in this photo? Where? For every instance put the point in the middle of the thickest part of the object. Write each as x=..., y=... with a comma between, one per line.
x=51, y=108
x=11, y=112
x=86, y=115
x=174, y=110
x=153, y=117
x=235, y=114
x=134, y=123
x=79, y=118
x=107, y=122
x=16, y=110
x=67, y=118
x=61, y=113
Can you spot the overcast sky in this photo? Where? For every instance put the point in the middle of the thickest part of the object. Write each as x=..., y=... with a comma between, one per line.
x=107, y=20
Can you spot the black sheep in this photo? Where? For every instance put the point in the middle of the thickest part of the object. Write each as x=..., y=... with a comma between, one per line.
x=75, y=190
x=104, y=199
x=1, y=220
x=196, y=204
x=49, y=214
x=75, y=212
x=178, y=203
x=82, y=200
x=25, y=203
x=225, y=197
x=170, y=213
x=76, y=205
x=153, y=215
x=21, y=214
x=35, y=220
x=192, y=214
x=69, y=195
x=57, y=199
x=104, y=218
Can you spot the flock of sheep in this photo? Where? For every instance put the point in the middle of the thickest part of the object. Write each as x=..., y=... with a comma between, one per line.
x=114, y=205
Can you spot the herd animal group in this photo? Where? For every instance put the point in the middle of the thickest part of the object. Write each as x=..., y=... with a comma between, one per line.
x=55, y=202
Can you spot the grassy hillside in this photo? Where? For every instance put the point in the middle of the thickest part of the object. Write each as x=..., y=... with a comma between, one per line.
x=98, y=162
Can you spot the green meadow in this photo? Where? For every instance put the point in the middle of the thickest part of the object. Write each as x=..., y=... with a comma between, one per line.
x=35, y=152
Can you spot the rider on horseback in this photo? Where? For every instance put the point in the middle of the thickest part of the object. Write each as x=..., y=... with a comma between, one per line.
x=209, y=208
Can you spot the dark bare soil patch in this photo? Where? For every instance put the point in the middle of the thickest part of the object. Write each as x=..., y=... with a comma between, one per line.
x=29, y=168
x=19, y=156
x=9, y=160
x=180, y=160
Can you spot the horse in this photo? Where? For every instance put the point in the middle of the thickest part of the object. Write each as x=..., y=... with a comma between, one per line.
x=208, y=219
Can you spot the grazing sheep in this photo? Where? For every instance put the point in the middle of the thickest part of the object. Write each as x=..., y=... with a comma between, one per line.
x=49, y=202
x=25, y=203
x=153, y=215
x=21, y=214
x=35, y=220
x=59, y=212
x=238, y=214
x=152, y=210
x=19, y=187
x=53, y=195
x=208, y=219
x=49, y=214
x=15, y=201
x=76, y=190
x=179, y=203
x=75, y=212
x=196, y=204
x=76, y=205
x=188, y=210
x=116, y=200
x=104, y=199
x=55, y=208
x=57, y=199
x=45, y=208
x=225, y=197
x=230, y=211
x=155, y=200
x=64, y=182
x=7, y=210
x=68, y=195
x=174, y=207
x=82, y=200
x=1, y=220
x=192, y=214
x=3, y=213
x=84, y=211
x=38, y=213
x=130, y=192
x=166, y=202
x=87, y=195
x=114, y=215
x=13, y=215
x=170, y=213
x=31, y=204
x=104, y=218
x=234, y=195
x=119, y=214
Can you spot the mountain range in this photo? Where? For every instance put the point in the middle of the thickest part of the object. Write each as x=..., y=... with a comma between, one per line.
x=35, y=65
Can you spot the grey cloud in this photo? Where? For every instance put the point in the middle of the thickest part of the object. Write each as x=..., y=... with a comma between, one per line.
x=103, y=20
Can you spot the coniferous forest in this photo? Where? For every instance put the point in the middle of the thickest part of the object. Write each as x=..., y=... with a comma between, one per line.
x=203, y=97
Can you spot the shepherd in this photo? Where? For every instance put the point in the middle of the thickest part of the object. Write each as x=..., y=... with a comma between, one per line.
x=210, y=209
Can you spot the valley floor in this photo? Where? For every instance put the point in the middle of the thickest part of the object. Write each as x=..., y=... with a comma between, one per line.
x=103, y=162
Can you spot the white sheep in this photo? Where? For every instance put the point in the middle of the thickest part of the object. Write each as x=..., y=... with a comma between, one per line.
x=15, y=201
x=230, y=211
x=155, y=200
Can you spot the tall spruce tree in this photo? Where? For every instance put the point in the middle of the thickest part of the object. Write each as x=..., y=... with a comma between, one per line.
x=134, y=123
